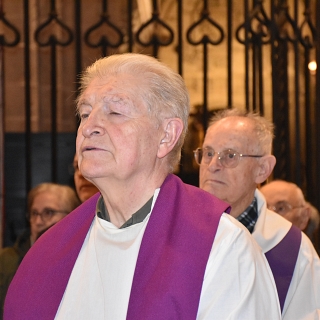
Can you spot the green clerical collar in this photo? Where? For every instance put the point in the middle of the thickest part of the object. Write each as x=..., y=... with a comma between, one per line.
x=137, y=217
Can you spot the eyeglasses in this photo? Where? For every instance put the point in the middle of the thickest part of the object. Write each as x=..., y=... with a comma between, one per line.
x=283, y=207
x=228, y=158
x=46, y=214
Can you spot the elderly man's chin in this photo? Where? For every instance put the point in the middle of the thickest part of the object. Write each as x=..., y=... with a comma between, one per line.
x=215, y=189
x=91, y=172
x=93, y=166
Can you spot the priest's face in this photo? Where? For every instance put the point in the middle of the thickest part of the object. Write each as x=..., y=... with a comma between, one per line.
x=235, y=184
x=117, y=138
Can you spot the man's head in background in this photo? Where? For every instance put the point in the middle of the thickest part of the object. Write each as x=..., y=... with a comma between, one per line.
x=235, y=157
x=287, y=199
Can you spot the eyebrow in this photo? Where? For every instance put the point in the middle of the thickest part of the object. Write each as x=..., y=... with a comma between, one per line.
x=80, y=103
x=223, y=149
x=282, y=201
x=121, y=100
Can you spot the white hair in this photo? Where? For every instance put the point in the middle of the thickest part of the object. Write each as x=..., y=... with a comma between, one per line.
x=162, y=89
x=263, y=128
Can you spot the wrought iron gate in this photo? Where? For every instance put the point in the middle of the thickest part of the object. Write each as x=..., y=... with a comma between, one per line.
x=250, y=54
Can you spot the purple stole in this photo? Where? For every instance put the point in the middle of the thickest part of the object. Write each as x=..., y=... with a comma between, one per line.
x=170, y=267
x=282, y=260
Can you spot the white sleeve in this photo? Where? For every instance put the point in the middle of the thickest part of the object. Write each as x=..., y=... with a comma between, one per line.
x=238, y=282
x=303, y=298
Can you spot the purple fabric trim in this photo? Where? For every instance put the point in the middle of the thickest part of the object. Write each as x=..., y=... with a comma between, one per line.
x=176, y=246
x=39, y=284
x=282, y=260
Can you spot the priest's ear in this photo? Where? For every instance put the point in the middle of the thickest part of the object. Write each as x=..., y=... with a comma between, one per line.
x=265, y=167
x=172, y=129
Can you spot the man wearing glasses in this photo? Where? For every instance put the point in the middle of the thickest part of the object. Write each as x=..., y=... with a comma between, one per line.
x=287, y=199
x=234, y=159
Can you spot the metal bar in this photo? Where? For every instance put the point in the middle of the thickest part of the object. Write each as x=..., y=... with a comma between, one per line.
x=260, y=66
x=280, y=100
x=3, y=43
x=310, y=186
x=273, y=50
x=130, y=31
x=229, y=53
x=78, y=46
x=54, y=155
x=104, y=47
x=155, y=12
x=78, y=51
x=180, y=59
x=2, y=186
x=180, y=37
x=298, y=178
x=27, y=77
x=247, y=44
x=205, y=87
x=254, y=77
x=104, y=5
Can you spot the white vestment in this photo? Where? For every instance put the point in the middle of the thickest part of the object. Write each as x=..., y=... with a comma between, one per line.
x=233, y=288
x=303, y=298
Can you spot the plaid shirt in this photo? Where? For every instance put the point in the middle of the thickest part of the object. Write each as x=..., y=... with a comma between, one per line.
x=250, y=216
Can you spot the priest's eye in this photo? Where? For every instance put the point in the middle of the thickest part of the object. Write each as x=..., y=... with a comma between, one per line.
x=84, y=115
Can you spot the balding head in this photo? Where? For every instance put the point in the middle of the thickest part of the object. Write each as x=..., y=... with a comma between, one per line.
x=280, y=190
x=287, y=199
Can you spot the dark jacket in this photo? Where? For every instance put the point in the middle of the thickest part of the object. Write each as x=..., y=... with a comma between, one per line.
x=10, y=259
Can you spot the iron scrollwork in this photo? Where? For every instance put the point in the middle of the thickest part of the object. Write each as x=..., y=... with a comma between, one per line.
x=205, y=40
x=156, y=38
x=257, y=26
x=283, y=21
x=104, y=41
x=53, y=21
x=306, y=29
x=6, y=23
x=205, y=17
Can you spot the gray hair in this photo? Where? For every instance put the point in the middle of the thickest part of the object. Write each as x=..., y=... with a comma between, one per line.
x=68, y=197
x=263, y=128
x=162, y=89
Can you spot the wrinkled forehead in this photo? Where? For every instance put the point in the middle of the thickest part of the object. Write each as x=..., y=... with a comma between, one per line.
x=277, y=192
x=232, y=132
x=275, y=195
x=121, y=87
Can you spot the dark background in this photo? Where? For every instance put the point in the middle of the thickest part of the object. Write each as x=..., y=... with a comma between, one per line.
x=15, y=173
